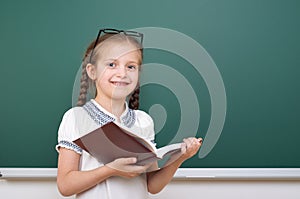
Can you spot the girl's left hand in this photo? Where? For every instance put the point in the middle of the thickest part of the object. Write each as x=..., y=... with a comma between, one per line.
x=190, y=146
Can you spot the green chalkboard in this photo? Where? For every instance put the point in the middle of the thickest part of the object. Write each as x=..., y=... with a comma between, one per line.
x=254, y=45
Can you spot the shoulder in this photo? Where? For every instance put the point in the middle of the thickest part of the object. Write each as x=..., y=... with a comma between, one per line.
x=143, y=117
x=70, y=116
x=73, y=112
x=71, y=123
x=75, y=116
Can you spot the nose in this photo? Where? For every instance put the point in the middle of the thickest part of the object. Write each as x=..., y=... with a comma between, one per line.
x=121, y=71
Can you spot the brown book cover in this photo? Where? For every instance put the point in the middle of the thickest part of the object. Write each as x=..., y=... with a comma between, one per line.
x=111, y=141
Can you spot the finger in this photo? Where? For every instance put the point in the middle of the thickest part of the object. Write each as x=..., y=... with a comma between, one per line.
x=133, y=174
x=138, y=169
x=187, y=141
x=193, y=146
x=200, y=140
x=129, y=168
x=196, y=142
x=191, y=142
x=128, y=174
x=148, y=165
x=183, y=148
x=128, y=160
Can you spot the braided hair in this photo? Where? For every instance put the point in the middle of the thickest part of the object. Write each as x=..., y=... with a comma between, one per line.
x=134, y=99
x=85, y=81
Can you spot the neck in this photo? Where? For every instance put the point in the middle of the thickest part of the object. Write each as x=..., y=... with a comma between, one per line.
x=116, y=107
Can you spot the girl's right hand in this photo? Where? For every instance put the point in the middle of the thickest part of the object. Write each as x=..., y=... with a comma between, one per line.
x=126, y=167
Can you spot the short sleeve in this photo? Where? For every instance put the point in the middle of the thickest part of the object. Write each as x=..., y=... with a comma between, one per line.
x=67, y=132
x=145, y=122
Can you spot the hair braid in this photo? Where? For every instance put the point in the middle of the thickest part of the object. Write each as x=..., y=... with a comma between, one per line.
x=134, y=99
x=84, y=85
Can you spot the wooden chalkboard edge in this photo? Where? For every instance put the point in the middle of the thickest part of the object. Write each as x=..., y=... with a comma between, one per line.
x=181, y=174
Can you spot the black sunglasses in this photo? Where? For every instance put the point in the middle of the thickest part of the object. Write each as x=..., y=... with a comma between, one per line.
x=115, y=31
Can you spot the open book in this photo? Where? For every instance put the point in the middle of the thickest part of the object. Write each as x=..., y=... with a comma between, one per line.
x=112, y=141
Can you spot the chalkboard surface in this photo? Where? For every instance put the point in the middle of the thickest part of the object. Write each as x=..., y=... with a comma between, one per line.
x=254, y=44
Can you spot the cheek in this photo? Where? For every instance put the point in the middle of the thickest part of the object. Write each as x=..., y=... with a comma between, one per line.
x=135, y=78
x=102, y=74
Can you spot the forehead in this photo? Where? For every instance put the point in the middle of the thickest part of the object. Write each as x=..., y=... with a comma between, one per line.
x=117, y=49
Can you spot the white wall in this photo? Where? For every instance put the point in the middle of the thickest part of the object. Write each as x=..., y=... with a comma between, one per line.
x=177, y=189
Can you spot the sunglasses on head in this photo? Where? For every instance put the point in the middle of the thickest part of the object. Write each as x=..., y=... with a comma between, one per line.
x=115, y=31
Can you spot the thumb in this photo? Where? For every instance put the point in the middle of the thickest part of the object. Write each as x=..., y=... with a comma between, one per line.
x=129, y=160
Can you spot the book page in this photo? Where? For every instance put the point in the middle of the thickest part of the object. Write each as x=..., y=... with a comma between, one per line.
x=168, y=149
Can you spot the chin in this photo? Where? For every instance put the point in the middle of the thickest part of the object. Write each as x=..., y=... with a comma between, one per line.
x=120, y=96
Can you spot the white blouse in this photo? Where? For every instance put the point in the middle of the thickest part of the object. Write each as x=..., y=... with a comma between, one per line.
x=78, y=121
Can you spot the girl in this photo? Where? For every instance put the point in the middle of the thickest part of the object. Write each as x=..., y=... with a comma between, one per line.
x=111, y=64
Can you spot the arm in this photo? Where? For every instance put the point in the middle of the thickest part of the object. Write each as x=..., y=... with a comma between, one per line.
x=71, y=181
x=157, y=180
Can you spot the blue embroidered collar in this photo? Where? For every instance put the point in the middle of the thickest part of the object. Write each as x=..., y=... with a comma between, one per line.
x=102, y=117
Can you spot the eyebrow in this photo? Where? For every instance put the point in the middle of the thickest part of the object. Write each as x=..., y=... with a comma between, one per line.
x=135, y=62
x=112, y=59
x=130, y=61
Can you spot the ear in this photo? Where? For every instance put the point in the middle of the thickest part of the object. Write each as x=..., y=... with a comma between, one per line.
x=91, y=71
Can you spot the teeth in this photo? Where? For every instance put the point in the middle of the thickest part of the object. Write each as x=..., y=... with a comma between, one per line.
x=119, y=83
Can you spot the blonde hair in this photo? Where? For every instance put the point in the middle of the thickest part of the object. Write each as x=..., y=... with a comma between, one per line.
x=86, y=83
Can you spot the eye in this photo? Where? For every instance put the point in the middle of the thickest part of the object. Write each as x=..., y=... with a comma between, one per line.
x=132, y=67
x=111, y=65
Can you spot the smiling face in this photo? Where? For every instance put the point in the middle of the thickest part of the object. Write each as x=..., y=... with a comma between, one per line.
x=116, y=73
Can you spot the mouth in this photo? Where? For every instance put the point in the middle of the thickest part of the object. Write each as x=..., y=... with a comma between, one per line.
x=117, y=83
